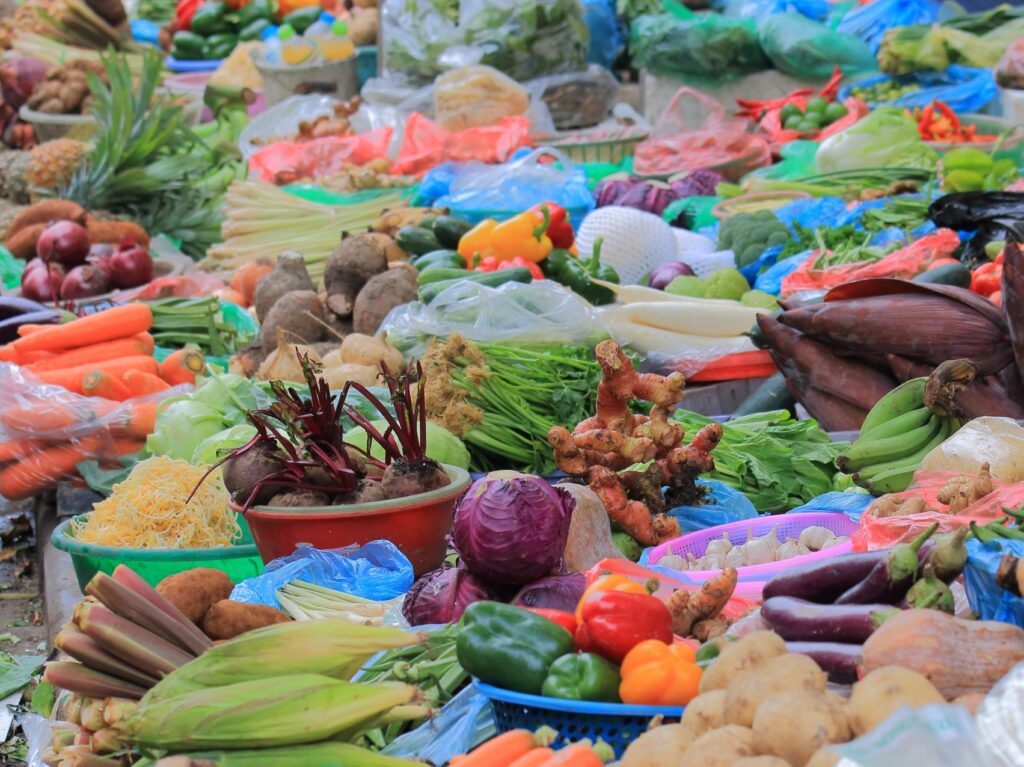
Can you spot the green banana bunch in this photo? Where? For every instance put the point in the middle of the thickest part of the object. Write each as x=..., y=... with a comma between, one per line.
x=897, y=434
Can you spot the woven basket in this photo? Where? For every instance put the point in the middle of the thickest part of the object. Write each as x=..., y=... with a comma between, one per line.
x=610, y=147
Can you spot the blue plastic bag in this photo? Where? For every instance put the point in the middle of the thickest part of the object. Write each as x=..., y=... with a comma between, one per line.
x=770, y=281
x=437, y=183
x=964, y=89
x=462, y=723
x=376, y=570
x=850, y=504
x=989, y=600
x=724, y=505
x=605, y=36
x=765, y=261
x=481, y=191
x=757, y=9
x=870, y=22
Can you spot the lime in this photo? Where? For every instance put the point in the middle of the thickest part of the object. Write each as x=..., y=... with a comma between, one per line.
x=807, y=126
x=834, y=111
x=793, y=122
x=788, y=111
x=817, y=104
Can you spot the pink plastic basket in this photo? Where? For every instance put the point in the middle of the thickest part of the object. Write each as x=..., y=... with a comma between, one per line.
x=788, y=526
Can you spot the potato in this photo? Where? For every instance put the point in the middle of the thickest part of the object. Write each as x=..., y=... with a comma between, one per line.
x=793, y=725
x=658, y=746
x=743, y=654
x=781, y=674
x=227, y=619
x=360, y=349
x=761, y=761
x=720, y=748
x=824, y=757
x=971, y=701
x=195, y=591
x=338, y=376
x=884, y=690
x=705, y=712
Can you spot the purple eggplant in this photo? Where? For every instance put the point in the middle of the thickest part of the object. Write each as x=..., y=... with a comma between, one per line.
x=9, y=327
x=837, y=659
x=889, y=581
x=797, y=620
x=12, y=306
x=826, y=580
x=946, y=554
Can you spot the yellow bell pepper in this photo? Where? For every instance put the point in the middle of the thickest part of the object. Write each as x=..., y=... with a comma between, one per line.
x=610, y=583
x=658, y=674
x=522, y=236
x=476, y=244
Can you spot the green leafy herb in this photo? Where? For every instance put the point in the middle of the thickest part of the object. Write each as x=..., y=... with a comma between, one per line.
x=16, y=671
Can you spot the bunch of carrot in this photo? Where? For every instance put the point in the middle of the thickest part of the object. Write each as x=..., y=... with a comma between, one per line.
x=107, y=358
x=521, y=748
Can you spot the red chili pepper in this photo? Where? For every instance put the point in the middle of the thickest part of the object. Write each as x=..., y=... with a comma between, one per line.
x=948, y=113
x=525, y=263
x=614, y=622
x=560, y=228
x=185, y=11
x=832, y=86
x=561, y=617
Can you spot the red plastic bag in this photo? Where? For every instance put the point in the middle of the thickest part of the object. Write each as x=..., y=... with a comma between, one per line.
x=289, y=161
x=426, y=144
x=721, y=142
x=772, y=125
x=905, y=263
x=883, y=532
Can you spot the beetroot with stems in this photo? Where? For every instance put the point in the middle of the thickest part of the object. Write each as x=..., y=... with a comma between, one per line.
x=41, y=281
x=65, y=243
x=83, y=282
x=130, y=265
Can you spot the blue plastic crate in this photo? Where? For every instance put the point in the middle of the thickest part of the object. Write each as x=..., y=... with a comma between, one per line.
x=616, y=724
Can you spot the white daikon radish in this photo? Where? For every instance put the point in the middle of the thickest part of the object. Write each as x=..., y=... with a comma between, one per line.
x=721, y=319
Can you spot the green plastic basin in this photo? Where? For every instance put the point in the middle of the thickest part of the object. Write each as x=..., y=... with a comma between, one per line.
x=240, y=561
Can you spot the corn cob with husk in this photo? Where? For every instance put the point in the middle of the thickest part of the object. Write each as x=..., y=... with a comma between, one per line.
x=930, y=323
x=280, y=711
x=328, y=754
x=333, y=647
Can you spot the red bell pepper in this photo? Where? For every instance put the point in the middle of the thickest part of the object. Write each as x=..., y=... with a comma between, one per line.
x=614, y=622
x=561, y=617
x=560, y=228
x=512, y=263
x=185, y=11
x=489, y=264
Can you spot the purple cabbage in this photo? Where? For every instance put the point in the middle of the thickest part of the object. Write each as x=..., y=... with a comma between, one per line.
x=511, y=531
x=663, y=274
x=611, y=189
x=555, y=592
x=696, y=183
x=441, y=596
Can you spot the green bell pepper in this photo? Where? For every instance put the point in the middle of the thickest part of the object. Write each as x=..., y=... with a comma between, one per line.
x=576, y=274
x=509, y=647
x=220, y=46
x=257, y=9
x=585, y=676
x=210, y=19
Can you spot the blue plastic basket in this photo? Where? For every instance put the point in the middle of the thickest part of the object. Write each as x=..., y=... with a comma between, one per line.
x=181, y=67
x=616, y=724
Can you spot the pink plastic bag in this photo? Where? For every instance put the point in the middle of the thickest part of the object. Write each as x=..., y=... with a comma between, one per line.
x=721, y=142
x=771, y=123
x=290, y=161
x=426, y=144
x=883, y=532
x=905, y=263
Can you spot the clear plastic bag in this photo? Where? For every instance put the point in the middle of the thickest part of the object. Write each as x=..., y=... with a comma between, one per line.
x=46, y=430
x=720, y=142
x=800, y=47
x=706, y=45
x=283, y=119
x=999, y=442
x=475, y=96
x=493, y=191
x=539, y=312
x=376, y=570
x=577, y=99
x=884, y=138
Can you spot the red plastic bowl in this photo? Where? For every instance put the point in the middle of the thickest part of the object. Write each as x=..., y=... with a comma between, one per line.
x=418, y=525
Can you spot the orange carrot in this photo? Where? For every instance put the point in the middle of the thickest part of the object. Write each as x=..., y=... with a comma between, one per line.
x=110, y=324
x=534, y=758
x=502, y=749
x=139, y=421
x=42, y=468
x=29, y=328
x=141, y=384
x=17, y=449
x=30, y=358
x=576, y=755
x=141, y=344
x=182, y=367
x=71, y=378
x=60, y=417
x=246, y=276
x=99, y=383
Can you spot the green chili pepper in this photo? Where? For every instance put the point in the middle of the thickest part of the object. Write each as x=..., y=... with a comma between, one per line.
x=509, y=647
x=585, y=676
x=1016, y=515
x=1010, y=533
x=575, y=273
x=983, y=533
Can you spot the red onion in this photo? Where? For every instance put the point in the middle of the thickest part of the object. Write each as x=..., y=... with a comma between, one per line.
x=663, y=274
x=63, y=242
x=83, y=282
x=41, y=282
x=131, y=266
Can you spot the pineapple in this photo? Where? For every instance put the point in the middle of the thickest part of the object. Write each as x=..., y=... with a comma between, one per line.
x=47, y=166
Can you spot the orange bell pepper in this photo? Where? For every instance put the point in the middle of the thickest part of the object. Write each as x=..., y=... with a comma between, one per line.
x=658, y=674
x=610, y=583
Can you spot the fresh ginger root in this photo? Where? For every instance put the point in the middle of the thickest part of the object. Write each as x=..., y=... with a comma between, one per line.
x=892, y=505
x=616, y=438
x=691, y=609
x=961, y=492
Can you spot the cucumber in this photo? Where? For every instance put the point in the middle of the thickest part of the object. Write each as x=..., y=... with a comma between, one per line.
x=449, y=230
x=441, y=274
x=416, y=240
x=947, y=274
x=491, y=279
x=770, y=395
x=448, y=259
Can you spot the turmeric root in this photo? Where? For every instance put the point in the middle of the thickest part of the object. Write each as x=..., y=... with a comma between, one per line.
x=690, y=608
